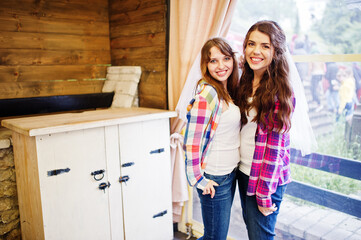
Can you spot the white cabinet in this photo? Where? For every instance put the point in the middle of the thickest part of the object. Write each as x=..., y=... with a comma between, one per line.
x=144, y=193
x=101, y=174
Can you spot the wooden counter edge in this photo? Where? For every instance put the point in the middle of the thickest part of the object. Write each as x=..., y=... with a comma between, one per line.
x=63, y=122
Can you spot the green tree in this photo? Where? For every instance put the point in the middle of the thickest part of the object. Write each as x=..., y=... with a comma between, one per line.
x=340, y=28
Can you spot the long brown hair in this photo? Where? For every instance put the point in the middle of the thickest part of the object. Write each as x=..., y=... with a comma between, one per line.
x=274, y=83
x=226, y=49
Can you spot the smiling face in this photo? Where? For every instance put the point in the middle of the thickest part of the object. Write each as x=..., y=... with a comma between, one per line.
x=219, y=66
x=259, y=52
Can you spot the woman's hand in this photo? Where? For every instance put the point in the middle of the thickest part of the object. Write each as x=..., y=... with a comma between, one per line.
x=209, y=189
x=267, y=211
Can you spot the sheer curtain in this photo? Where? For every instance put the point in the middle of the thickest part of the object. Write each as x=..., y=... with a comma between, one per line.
x=191, y=24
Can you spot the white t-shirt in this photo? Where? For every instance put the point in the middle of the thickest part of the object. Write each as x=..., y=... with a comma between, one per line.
x=248, y=144
x=224, y=153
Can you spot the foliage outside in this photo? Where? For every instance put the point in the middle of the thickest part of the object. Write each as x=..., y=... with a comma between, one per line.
x=343, y=36
x=336, y=29
x=332, y=144
x=336, y=145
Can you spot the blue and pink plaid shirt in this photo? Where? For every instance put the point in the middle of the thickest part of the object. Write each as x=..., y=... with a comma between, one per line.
x=203, y=117
x=271, y=161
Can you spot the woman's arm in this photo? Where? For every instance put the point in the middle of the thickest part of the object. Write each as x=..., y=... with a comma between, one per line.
x=276, y=147
x=269, y=172
x=198, y=118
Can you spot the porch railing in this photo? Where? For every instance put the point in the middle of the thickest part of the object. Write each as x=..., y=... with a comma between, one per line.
x=331, y=199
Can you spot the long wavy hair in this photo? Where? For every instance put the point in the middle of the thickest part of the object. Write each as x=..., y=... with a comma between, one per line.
x=232, y=82
x=274, y=83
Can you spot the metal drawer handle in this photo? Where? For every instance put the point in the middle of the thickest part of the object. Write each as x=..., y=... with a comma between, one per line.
x=160, y=150
x=128, y=164
x=104, y=185
x=160, y=214
x=58, y=171
x=98, y=172
x=124, y=179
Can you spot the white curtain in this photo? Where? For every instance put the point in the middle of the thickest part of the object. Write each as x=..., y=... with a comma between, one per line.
x=192, y=22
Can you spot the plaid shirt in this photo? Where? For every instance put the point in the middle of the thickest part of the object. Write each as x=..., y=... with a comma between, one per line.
x=203, y=117
x=271, y=162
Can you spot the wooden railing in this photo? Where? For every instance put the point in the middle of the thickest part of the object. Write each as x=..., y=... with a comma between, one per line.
x=335, y=165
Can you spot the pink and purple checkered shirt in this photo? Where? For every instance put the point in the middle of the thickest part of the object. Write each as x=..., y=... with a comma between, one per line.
x=270, y=166
x=271, y=161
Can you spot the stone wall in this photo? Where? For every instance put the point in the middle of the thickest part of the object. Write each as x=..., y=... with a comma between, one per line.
x=9, y=210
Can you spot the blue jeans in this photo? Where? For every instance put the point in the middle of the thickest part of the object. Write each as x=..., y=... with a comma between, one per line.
x=216, y=211
x=259, y=227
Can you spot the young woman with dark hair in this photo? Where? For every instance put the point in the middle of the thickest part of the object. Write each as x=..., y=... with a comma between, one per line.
x=266, y=102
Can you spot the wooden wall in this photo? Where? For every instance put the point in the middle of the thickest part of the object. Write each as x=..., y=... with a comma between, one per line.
x=61, y=47
x=53, y=47
x=138, y=37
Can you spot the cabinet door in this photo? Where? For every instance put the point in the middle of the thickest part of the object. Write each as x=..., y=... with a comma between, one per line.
x=115, y=191
x=135, y=185
x=73, y=205
x=157, y=157
x=144, y=151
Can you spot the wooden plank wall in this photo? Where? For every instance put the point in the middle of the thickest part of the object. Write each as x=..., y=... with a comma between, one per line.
x=53, y=47
x=138, y=37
